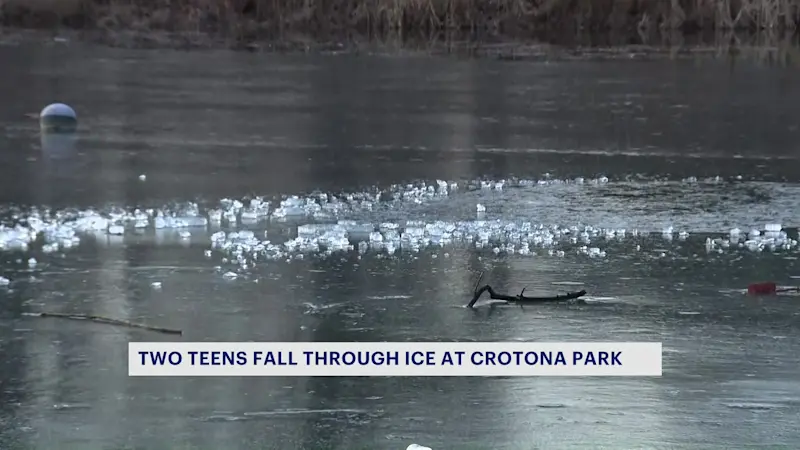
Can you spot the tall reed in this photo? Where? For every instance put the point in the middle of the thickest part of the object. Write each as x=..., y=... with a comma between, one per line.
x=249, y=17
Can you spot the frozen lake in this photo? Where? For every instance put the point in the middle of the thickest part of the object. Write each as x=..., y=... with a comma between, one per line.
x=341, y=198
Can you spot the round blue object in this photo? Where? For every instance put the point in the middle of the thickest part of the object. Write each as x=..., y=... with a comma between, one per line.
x=58, y=117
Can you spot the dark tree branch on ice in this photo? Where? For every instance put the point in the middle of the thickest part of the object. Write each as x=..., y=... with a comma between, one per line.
x=106, y=320
x=520, y=298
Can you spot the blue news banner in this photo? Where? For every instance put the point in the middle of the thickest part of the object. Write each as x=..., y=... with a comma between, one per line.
x=473, y=359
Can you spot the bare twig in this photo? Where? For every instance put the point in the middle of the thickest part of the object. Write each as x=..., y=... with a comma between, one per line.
x=790, y=289
x=106, y=320
x=520, y=299
x=477, y=283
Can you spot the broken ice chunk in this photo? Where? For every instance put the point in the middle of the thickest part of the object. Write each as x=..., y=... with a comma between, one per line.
x=180, y=222
x=116, y=230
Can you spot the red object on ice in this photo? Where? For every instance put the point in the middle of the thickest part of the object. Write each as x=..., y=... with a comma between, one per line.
x=765, y=288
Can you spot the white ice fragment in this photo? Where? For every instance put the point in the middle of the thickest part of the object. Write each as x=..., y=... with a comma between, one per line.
x=354, y=227
x=91, y=222
x=480, y=208
x=156, y=285
x=185, y=234
x=215, y=215
x=386, y=226
x=116, y=230
x=4, y=281
x=230, y=276
x=207, y=253
x=257, y=209
x=292, y=206
x=180, y=222
x=417, y=447
x=142, y=177
x=772, y=227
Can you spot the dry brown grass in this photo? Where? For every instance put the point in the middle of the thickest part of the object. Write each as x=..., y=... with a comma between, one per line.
x=246, y=19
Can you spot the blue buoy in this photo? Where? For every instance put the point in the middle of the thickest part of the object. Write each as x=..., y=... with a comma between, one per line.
x=58, y=117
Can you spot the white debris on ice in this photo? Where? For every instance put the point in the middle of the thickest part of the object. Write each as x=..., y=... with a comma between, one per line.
x=772, y=239
x=339, y=223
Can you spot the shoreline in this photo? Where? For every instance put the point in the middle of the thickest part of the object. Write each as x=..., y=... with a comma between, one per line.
x=502, y=27
x=767, y=48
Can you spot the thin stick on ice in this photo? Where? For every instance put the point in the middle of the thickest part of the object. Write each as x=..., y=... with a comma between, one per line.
x=106, y=320
x=520, y=299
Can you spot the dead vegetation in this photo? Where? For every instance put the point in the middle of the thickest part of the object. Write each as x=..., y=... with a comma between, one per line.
x=245, y=20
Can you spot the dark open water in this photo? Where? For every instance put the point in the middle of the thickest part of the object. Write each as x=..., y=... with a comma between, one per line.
x=613, y=153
